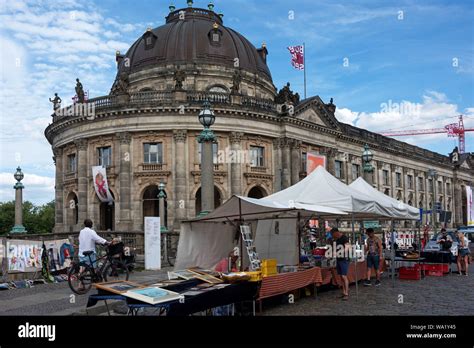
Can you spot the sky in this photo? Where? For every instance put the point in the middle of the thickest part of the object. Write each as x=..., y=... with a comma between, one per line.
x=389, y=65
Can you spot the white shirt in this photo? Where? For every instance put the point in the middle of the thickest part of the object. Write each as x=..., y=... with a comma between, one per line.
x=87, y=240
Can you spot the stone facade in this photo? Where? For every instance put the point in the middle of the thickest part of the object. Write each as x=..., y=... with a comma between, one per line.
x=152, y=112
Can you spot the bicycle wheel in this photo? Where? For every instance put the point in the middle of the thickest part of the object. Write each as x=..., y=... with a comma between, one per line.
x=79, y=281
x=115, y=271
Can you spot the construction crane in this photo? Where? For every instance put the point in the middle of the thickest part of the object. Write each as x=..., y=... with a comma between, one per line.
x=453, y=130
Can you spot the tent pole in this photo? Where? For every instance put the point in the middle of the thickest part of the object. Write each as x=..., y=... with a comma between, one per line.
x=392, y=253
x=299, y=238
x=241, y=241
x=355, y=263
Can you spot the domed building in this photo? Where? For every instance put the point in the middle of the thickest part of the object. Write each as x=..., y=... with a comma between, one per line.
x=145, y=133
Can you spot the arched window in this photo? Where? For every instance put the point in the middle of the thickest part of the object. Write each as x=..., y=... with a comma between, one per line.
x=151, y=204
x=217, y=200
x=218, y=89
x=257, y=192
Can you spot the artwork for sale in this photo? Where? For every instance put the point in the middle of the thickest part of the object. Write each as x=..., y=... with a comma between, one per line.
x=24, y=255
x=118, y=287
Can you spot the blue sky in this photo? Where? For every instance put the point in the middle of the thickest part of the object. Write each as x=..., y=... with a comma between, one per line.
x=419, y=54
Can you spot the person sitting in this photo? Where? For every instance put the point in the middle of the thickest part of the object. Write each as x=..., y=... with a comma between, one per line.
x=223, y=265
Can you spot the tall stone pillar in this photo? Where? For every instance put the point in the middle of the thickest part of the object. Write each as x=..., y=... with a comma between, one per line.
x=277, y=165
x=180, y=137
x=286, y=163
x=58, y=188
x=458, y=214
x=235, y=139
x=82, y=171
x=125, y=221
x=295, y=161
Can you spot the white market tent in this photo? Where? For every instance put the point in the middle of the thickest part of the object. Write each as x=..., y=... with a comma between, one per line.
x=398, y=209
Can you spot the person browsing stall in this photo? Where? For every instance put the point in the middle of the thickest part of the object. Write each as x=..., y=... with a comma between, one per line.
x=373, y=249
x=342, y=261
x=463, y=254
x=444, y=240
x=88, y=238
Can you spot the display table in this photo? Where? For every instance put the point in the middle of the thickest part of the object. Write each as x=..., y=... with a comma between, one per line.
x=330, y=276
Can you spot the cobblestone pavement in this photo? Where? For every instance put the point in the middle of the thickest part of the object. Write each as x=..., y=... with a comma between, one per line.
x=55, y=299
x=452, y=294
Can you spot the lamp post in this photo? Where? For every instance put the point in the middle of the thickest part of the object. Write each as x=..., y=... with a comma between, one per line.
x=206, y=139
x=18, y=228
x=161, y=205
x=368, y=169
x=433, y=175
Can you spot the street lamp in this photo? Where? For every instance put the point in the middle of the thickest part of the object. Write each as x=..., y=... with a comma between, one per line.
x=206, y=139
x=368, y=169
x=18, y=228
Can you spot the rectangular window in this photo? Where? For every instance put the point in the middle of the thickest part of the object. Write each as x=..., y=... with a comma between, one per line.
x=410, y=182
x=257, y=155
x=71, y=163
x=105, y=156
x=386, y=180
x=304, y=164
x=215, y=151
x=153, y=153
x=420, y=184
x=398, y=179
x=355, y=171
x=339, y=172
x=448, y=188
x=440, y=187
x=430, y=185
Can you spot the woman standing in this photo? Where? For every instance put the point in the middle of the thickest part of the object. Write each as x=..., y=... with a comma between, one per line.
x=463, y=253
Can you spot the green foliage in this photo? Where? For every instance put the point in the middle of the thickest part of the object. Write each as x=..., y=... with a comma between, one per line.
x=36, y=219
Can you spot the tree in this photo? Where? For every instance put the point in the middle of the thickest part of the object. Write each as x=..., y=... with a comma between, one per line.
x=36, y=219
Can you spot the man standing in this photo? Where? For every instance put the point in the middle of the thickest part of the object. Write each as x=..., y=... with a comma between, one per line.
x=342, y=260
x=373, y=249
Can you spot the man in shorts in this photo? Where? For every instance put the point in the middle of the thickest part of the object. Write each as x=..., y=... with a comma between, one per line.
x=342, y=261
x=373, y=249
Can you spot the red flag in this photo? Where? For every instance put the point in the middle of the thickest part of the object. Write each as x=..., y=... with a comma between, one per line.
x=297, y=56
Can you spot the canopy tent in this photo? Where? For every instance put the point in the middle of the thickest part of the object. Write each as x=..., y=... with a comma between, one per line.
x=204, y=241
x=321, y=188
x=398, y=210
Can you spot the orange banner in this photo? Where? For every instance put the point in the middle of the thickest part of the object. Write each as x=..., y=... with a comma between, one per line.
x=313, y=161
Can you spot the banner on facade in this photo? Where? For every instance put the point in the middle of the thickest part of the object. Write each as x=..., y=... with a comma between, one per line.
x=101, y=184
x=470, y=207
x=313, y=161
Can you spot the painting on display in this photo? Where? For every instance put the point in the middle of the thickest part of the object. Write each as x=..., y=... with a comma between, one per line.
x=24, y=255
x=153, y=295
x=118, y=287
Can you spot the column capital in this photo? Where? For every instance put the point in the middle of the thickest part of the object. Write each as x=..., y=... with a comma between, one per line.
x=57, y=151
x=296, y=144
x=124, y=137
x=236, y=137
x=81, y=144
x=180, y=135
x=328, y=151
x=277, y=143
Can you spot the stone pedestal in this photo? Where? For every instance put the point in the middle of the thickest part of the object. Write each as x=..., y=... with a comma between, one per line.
x=236, y=99
x=179, y=95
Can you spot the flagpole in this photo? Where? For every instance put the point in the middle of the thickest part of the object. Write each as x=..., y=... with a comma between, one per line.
x=304, y=64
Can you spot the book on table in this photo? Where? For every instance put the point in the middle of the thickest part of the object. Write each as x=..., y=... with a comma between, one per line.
x=153, y=295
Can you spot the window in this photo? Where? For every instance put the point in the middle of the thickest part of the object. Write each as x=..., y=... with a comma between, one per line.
x=398, y=177
x=386, y=180
x=410, y=182
x=71, y=163
x=448, y=189
x=430, y=185
x=215, y=149
x=257, y=156
x=105, y=156
x=339, y=171
x=218, y=89
x=153, y=153
x=304, y=164
x=355, y=171
x=215, y=37
x=420, y=184
x=440, y=187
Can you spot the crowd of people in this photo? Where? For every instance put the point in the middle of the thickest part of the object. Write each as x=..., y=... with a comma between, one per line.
x=462, y=259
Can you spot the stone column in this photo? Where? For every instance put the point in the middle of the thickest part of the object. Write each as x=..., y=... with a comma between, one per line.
x=125, y=221
x=277, y=165
x=180, y=137
x=295, y=161
x=286, y=163
x=457, y=201
x=235, y=139
x=82, y=171
x=59, y=188
x=330, y=154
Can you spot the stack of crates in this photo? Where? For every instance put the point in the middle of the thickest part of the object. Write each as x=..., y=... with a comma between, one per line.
x=410, y=273
x=269, y=267
x=436, y=269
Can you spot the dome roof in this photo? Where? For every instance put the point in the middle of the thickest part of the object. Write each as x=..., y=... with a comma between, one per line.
x=198, y=38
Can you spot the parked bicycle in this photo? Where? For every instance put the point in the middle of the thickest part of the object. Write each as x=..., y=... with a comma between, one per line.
x=168, y=249
x=82, y=275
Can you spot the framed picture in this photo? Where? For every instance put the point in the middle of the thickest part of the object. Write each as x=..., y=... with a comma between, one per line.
x=153, y=295
x=118, y=287
x=183, y=274
x=208, y=278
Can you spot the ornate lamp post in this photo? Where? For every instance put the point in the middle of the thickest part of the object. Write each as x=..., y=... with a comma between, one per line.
x=207, y=138
x=368, y=169
x=18, y=228
x=161, y=202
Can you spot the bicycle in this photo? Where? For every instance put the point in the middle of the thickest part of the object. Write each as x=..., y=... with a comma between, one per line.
x=168, y=251
x=82, y=275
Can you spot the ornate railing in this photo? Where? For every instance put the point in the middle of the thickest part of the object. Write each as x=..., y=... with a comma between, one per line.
x=213, y=97
x=259, y=103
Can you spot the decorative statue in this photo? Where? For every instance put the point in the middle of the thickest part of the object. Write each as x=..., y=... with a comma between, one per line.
x=286, y=95
x=236, y=80
x=179, y=77
x=121, y=85
x=56, y=102
x=79, y=92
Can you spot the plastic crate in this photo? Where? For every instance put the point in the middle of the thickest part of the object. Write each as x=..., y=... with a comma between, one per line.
x=434, y=273
x=269, y=267
x=409, y=273
x=436, y=267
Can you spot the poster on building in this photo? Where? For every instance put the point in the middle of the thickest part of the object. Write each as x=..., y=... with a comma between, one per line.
x=470, y=207
x=24, y=255
x=313, y=161
x=152, y=243
x=99, y=175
